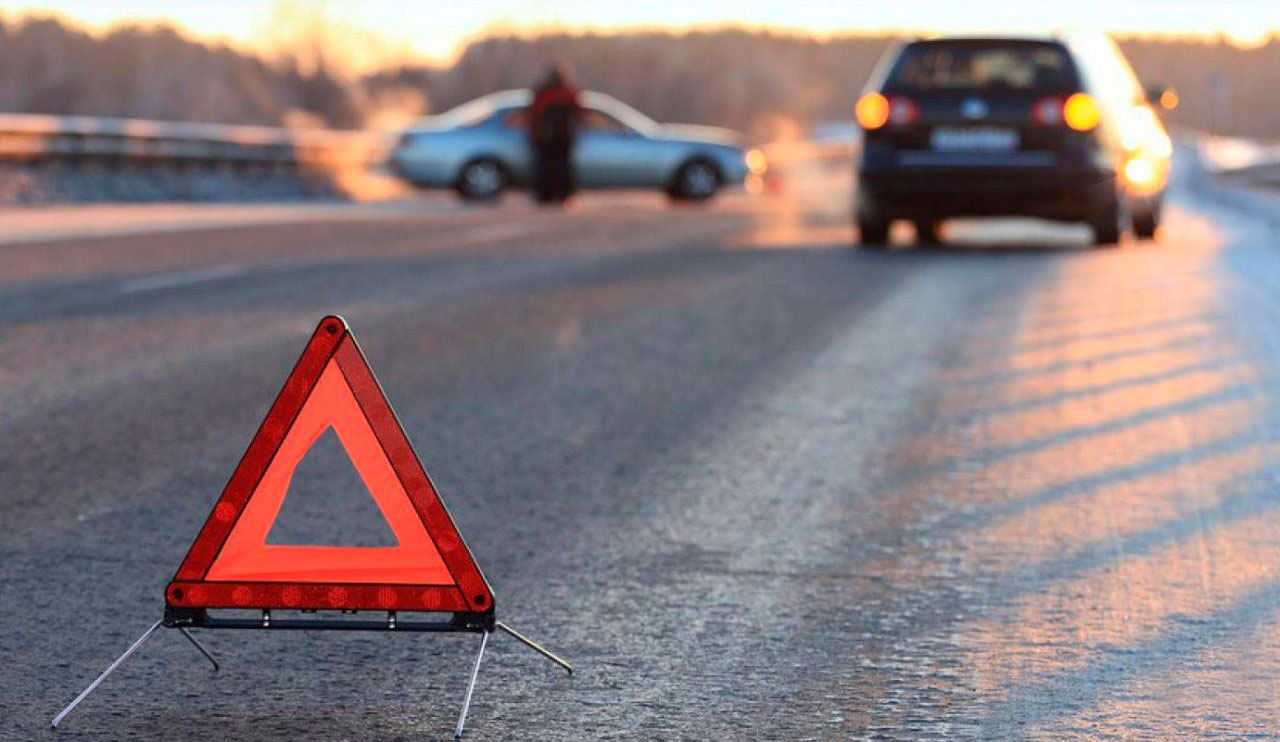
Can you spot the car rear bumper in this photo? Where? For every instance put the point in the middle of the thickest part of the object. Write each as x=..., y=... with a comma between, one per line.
x=1020, y=188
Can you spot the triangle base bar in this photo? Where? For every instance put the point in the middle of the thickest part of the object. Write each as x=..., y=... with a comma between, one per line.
x=200, y=618
x=183, y=619
x=429, y=599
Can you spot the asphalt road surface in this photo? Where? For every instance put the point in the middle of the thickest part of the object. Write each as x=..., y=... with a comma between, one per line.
x=753, y=483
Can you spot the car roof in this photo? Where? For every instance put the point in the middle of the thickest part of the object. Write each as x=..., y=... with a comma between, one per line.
x=1069, y=39
x=472, y=110
x=487, y=105
x=523, y=97
x=990, y=37
x=506, y=98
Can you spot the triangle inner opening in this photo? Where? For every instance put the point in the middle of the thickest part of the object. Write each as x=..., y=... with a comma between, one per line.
x=328, y=504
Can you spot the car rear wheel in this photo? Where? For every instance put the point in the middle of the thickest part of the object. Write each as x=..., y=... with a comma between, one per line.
x=1145, y=223
x=1106, y=224
x=873, y=233
x=696, y=180
x=481, y=180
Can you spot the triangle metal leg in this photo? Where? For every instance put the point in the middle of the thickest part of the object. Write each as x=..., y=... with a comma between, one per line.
x=112, y=668
x=471, y=686
x=466, y=702
x=536, y=647
x=199, y=646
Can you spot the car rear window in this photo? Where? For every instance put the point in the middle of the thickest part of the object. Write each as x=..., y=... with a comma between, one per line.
x=986, y=66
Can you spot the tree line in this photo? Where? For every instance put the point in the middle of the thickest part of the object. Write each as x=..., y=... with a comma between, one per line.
x=768, y=84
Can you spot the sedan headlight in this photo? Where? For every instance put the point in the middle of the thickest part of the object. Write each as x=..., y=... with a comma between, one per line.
x=756, y=162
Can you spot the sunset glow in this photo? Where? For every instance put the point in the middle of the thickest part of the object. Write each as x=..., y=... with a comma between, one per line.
x=376, y=32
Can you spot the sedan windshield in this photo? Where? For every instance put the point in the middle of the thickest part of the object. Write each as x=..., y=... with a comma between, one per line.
x=477, y=111
x=624, y=114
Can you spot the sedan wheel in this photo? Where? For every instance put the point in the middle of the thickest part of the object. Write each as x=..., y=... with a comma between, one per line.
x=697, y=181
x=482, y=180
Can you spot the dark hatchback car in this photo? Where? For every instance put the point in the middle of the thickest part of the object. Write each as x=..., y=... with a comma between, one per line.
x=1055, y=128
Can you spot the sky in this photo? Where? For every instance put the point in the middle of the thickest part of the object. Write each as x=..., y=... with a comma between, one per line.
x=436, y=31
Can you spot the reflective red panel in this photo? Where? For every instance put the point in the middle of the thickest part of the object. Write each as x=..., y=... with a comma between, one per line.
x=231, y=565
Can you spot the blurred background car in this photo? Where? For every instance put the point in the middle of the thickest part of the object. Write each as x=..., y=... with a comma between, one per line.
x=481, y=148
x=1051, y=127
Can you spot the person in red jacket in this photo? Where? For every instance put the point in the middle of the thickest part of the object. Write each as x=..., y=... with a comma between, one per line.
x=553, y=122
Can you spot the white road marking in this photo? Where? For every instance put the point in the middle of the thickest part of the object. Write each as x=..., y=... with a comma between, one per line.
x=181, y=278
x=30, y=224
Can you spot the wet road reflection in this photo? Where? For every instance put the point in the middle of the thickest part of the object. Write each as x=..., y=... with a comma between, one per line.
x=757, y=483
x=1096, y=535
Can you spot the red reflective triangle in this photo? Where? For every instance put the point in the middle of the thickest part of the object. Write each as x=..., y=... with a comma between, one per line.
x=230, y=565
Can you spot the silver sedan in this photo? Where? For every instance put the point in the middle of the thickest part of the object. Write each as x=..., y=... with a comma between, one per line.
x=480, y=148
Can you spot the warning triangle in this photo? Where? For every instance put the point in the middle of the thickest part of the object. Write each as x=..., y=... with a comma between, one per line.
x=231, y=564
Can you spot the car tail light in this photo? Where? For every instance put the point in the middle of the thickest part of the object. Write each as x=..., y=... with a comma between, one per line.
x=872, y=111
x=875, y=110
x=1047, y=111
x=902, y=110
x=1078, y=111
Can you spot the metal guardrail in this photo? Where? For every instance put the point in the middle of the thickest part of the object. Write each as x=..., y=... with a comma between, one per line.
x=40, y=138
x=79, y=139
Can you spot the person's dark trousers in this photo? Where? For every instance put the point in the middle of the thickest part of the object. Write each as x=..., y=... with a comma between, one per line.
x=554, y=177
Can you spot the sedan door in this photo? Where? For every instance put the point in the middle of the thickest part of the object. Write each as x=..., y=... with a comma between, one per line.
x=610, y=154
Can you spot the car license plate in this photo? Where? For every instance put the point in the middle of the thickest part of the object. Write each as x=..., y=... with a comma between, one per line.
x=983, y=139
